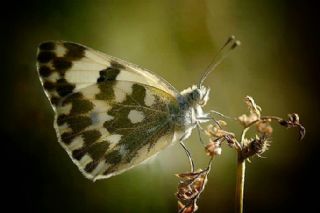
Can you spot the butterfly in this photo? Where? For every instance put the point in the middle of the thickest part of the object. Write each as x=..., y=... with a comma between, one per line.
x=111, y=115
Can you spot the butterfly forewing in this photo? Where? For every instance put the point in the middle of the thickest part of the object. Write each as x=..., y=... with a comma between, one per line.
x=110, y=115
x=65, y=67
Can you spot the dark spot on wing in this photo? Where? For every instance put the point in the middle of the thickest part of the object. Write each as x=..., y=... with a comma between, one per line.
x=67, y=137
x=78, y=153
x=61, y=65
x=109, y=74
x=110, y=170
x=74, y=51
x=113, y=157
x=106, y=91
x=54, y=100
x=61, y=119
x=91, y=136
x=120, y=121
x=102, y=77
x=117, y=65
x=91, y=166
x=78, y=123
x=72, y=97
x=47, y=46
x=80, y=106
x=45, y=71
x=120, y=114
x=111, y=126
x=64, y=87
x=45, y=56
x=138, y=94
x=48, y=85
x=97, y=150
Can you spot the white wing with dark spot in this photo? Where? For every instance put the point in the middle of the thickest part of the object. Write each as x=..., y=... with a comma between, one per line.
x=110, y=115
x=105, y=137
x=66, y=67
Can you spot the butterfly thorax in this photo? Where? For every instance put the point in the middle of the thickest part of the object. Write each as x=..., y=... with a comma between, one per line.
x=190, y=111
x=194, y=96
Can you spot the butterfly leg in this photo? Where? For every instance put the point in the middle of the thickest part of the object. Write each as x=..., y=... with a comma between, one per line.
x=188, y=154
x=222, y=115
x=208, y=118
x=199, y=129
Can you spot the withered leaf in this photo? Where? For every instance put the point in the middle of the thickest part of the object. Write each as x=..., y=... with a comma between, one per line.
x=189, y=189
x=294, y=121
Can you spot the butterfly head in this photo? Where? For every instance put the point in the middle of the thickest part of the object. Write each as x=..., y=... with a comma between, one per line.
x=196, y=96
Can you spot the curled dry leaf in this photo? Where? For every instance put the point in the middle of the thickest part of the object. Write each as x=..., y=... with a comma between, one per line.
x=294, y=121
x=254, y=115
x=252, y=106
x=189, y=189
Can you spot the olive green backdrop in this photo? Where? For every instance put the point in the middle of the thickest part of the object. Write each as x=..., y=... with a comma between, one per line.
x=277, y=64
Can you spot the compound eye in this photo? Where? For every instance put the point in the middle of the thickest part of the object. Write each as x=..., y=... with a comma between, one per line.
x=195, y=95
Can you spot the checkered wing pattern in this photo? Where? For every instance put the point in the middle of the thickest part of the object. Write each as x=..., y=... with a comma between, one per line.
x=110, y=115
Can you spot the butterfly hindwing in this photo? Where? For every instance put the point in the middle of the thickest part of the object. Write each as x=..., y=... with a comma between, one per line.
x=109, y=127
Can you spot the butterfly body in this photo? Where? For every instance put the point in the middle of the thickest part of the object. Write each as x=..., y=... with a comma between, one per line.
x=111, y=115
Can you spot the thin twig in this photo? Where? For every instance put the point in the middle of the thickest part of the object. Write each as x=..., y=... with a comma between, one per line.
x=241, y=169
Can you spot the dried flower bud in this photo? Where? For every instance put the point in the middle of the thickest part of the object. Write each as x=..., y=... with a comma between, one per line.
x=264, y=127
x=260, y=145
x=255, y=146
x=213, y=148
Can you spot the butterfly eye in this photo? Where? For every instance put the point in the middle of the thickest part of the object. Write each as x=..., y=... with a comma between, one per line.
x=195, y=95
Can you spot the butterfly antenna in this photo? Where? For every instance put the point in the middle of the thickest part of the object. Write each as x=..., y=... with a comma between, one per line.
x=223, y=52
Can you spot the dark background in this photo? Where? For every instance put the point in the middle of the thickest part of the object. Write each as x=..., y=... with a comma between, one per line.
x=277, y=64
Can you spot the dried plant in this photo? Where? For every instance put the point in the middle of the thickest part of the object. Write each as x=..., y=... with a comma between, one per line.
x=192, y=183
x=190, y=187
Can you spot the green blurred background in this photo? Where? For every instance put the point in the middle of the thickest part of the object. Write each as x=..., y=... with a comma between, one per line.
x=277, y=64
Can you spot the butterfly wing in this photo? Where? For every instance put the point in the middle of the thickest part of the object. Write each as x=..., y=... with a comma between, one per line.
x=110, y=115
x=109, y=127
x=66, y=67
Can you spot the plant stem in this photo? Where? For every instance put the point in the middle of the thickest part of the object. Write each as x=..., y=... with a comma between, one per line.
x=241, y=168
